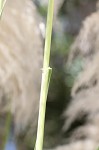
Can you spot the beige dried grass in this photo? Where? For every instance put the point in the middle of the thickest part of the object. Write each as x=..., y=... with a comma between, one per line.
x=20, y=62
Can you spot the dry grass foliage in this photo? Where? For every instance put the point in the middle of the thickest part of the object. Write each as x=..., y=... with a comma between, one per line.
x=20, y=62
x=82, y=115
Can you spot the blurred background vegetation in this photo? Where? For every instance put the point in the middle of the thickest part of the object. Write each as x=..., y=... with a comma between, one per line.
x=67, y=22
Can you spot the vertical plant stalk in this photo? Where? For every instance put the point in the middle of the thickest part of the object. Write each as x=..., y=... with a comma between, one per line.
x=46, y=74
x=2, y=4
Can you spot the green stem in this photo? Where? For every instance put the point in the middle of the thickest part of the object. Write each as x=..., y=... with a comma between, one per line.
x=48, y=34
x=2, y=4
x=44, y=90
x=46, y=74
